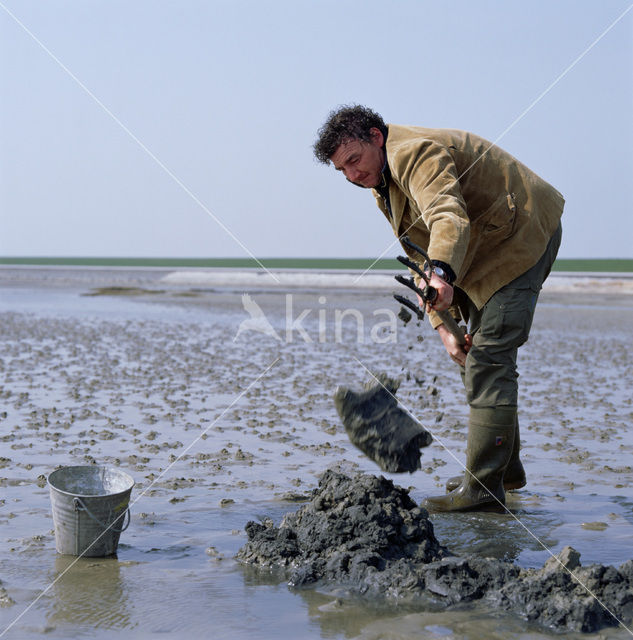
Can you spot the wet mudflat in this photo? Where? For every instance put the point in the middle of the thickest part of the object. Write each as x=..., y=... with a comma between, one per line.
x=218, y=432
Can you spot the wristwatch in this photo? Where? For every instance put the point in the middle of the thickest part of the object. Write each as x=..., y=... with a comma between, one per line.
x=446, y=274
x=438, y=271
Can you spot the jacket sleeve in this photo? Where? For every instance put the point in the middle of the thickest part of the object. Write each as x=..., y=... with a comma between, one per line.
x=427, y=174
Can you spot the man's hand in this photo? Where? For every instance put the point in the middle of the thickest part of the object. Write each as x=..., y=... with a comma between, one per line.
x=455, y=350
x=444, y=294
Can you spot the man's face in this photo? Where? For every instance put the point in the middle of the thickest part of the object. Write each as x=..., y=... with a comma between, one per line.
x=361, y=162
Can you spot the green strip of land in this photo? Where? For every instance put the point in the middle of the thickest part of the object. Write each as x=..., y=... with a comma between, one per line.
x=606, y=264
x=564, y=264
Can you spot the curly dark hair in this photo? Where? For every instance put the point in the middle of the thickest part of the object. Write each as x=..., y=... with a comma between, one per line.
x=347, y=122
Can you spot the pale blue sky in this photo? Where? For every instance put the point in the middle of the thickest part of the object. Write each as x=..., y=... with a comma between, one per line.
x=228, y=95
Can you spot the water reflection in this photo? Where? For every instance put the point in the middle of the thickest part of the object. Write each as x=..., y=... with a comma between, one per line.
x=90, y=593
x=626, y=507
x=499, y=535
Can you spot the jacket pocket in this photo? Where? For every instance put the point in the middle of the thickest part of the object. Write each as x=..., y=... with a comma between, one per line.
x=497, y=221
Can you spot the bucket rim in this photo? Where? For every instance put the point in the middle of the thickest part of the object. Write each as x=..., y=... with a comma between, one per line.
x=128, y=477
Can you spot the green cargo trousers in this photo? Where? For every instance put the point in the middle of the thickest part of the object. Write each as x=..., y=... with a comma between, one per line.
x=498, y=329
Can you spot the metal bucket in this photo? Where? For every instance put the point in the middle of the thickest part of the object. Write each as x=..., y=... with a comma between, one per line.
x=90, y=509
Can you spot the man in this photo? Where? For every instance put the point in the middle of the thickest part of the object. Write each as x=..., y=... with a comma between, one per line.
x=492, y=230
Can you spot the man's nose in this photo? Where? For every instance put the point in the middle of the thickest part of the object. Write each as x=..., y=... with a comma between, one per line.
x=352, y=174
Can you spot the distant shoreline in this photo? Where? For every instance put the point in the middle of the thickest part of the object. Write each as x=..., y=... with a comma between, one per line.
x=593, y=265
x=122, y=280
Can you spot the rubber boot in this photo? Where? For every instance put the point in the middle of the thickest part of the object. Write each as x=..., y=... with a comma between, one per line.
x=514, y=477
x=490, y=442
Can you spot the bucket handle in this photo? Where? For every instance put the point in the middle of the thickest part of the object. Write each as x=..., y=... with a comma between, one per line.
x=80, y=506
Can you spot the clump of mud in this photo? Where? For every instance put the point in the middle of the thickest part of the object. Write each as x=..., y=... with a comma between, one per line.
x=404, y=315
x=382, y=430
x=366, y=535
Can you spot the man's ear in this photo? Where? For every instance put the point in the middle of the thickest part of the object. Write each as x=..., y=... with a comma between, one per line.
x=376, y=137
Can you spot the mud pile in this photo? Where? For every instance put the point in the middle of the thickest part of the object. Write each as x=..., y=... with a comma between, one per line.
x=367, y=535
x=364, y=533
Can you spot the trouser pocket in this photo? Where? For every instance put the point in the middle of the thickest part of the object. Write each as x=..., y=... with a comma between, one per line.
x=490, y=374
x=507, y=317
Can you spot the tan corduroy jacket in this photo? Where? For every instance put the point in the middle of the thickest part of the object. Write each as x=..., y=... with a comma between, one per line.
x=469, y=204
